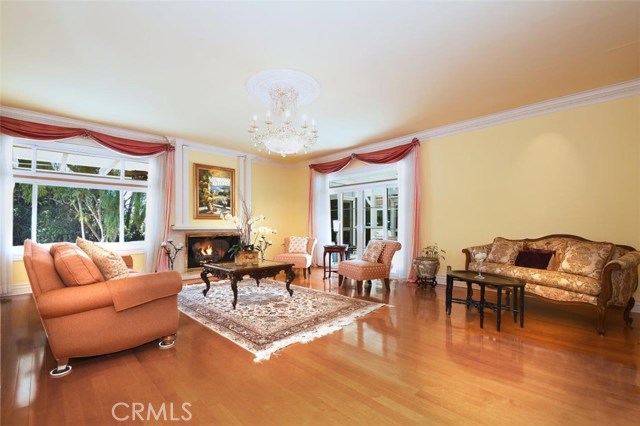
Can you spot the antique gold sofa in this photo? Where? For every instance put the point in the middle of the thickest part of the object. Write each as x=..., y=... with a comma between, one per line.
x=84, y=315
x=597, y=273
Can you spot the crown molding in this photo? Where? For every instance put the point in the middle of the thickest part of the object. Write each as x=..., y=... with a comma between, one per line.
x=42, y=118
x=589, y=97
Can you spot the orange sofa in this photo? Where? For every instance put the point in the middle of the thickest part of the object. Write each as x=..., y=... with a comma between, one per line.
x=84, y=315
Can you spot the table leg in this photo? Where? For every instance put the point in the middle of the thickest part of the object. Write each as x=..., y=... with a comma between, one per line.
x=324, y=266
x=499, y=294
x=469, y=294
x=515, y=308
x=205, y=278
x=290, y=276
x=449, y=295
x=522, y=307
x=234, y=288
x=481, y=305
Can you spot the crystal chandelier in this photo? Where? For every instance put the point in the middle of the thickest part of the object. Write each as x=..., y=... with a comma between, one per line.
x=283, y=90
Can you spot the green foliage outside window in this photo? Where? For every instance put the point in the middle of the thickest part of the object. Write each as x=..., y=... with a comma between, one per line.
x=65, y=213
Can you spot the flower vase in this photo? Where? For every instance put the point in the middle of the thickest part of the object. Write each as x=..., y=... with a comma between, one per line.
x=246, y=257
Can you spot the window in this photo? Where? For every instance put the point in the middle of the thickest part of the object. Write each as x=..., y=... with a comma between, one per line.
x=366, y=206
x=66, y=190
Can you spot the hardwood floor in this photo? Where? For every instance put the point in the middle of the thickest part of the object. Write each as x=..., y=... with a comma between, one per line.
x=404, y=364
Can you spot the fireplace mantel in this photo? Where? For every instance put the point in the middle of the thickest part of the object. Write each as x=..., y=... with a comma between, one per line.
x=200, y=228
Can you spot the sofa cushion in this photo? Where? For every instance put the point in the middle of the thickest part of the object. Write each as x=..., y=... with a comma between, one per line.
x=534, y=258
x=504, y=251
x=586, y=258
x=298, y=244
x=372, y=251
x=110, y=264
x=556, y=244
x=74, y=266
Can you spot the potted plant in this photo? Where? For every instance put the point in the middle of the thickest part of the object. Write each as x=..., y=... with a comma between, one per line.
x=428, y=264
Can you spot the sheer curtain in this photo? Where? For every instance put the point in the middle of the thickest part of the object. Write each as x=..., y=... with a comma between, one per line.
x=6, y=213
x=155, y=215
x=408, y=214
x=320, y=212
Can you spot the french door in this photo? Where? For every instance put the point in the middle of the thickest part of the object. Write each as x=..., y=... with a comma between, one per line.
x=358, y=215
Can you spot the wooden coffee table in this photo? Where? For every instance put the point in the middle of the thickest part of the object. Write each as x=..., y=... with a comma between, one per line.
x=234, y=273
x=491, y=280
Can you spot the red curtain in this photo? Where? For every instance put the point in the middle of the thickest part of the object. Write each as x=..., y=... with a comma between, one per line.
x=38, y=131
x=384, y=156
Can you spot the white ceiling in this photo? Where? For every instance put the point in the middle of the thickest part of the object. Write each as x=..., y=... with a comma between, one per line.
x=386, y=69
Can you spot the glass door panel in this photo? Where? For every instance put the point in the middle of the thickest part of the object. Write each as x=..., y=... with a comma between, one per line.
x=350, y=220
x=374, y=213
x=392, y=214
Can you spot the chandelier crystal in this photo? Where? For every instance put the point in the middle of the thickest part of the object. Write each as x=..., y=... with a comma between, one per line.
x=281, y=134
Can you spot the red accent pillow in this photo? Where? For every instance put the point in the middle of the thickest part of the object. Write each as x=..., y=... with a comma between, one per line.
x=534, y=258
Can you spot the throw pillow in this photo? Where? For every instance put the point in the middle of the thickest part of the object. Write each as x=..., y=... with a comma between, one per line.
x=74, y=266
x=373, y=251
x=586, y=258
x=504, y=251
x=110, y=264
x=536, y=259
x=298, y=244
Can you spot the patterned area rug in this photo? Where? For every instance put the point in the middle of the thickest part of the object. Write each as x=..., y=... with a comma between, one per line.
x=266, y=318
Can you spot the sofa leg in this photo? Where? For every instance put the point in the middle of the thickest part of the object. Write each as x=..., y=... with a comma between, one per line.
x=167, y=342
x=387, y=284
x=602, y=312
x=627, y=311
x=62, y=369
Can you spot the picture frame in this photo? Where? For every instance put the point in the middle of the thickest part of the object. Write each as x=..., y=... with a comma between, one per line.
x=213, y=191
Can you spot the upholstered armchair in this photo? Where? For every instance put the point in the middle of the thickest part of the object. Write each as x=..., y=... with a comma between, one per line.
x=299, y=251
x=375, y=263
x=85, y=313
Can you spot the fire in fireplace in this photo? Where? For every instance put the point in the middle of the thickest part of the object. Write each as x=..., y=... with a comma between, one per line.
x=208, y=248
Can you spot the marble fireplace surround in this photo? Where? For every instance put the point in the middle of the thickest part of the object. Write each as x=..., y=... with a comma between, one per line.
x=179, y=234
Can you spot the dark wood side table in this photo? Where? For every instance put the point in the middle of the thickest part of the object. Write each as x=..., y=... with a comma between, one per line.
x=234, y=273
x=343, y=254
x=491, y=280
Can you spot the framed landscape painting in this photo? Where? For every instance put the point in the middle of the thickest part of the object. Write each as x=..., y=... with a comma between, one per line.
x=213, y=191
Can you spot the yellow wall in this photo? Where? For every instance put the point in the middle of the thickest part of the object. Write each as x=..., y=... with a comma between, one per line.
x=282, y=195
x=573, y=172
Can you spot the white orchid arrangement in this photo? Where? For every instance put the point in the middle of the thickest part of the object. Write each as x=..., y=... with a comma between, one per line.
x=252, y=236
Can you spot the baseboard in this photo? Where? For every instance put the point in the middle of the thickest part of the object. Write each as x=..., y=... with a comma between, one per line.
x=18, y=289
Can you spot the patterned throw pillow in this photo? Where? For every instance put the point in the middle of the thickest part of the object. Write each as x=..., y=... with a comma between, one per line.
x=298, y=244
x=504, y=251
x=373, y=251
x=586, y=258
x=110, y=264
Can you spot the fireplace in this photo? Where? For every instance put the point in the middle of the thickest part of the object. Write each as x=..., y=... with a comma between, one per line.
x=208, y=248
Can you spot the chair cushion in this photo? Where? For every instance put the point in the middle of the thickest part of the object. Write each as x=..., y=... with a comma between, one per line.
x=373, y=251
x=299, y=260
x=361, y=270
x=298, y=244
x=504, y=251
x=110, y=264
x=74, y=266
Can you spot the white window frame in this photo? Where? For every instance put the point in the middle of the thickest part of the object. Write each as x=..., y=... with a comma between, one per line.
x=80, y=146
